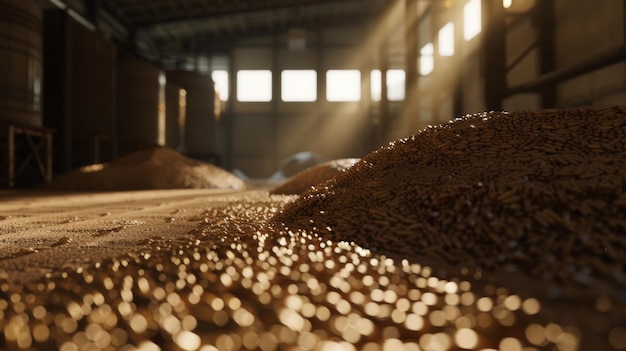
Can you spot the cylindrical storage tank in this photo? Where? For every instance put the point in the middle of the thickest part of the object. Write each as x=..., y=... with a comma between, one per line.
x=20, y=62
x=199, y=114
x=173, y=120
x=137, y=106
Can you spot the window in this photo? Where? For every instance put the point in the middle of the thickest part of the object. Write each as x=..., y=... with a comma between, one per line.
x=220, y=77
x=427, y=61
x=343, y=85
x=395, y=84
x=471, y=19
x=298, y=85
x=254, y=86
x=446, y=40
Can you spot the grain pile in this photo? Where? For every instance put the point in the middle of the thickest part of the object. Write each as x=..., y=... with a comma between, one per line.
x=298, y=162
x=541, y=192
x=312, y=176
x=152, y=168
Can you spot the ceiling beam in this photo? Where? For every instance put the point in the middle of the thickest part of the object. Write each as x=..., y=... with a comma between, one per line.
x=224, y=42
x=239, y=9
x=260, y=29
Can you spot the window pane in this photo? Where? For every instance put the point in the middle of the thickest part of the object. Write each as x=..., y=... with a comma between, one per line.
x=298, y=85
x=427, y=50
x=427, y=61
x=446, y=40
x=471, y=19
x=395, y=84
x=220, y=78
x=254, y=86
x=343, y=85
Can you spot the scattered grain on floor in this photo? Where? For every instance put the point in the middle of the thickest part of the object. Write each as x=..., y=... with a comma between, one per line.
x=236, y=284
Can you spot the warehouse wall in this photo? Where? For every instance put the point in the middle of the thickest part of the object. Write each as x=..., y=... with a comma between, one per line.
x=523, y=56
x=252, y=134
x=583, y=32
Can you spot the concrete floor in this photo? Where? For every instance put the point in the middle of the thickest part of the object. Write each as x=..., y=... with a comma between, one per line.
x=44, y=232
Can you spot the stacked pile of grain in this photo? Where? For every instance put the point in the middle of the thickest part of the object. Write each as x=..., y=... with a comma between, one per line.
x=542, y=191
x=312, y=176
x=152, y=168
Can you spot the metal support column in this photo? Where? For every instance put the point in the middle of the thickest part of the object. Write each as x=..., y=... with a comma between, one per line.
x=321, y=67
x=494, y=53
x=383, y=107
x=457, y=67
x=544, y=12
x=229, y=118
x=276, y=89
x=411, y=101
x=437, y=73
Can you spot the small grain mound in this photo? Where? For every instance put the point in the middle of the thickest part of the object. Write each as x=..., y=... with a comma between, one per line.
x=153, y=168
x=538, y=191
x=313, y=176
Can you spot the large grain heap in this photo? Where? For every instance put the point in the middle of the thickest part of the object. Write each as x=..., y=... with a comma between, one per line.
x=151, y=168
x=537, y=191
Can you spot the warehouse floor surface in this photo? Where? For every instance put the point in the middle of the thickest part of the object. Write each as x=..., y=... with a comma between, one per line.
x=45, y=232
x=205, y=270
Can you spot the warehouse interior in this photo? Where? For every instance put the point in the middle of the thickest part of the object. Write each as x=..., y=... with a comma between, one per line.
x=248, y=84
x=423, y=175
